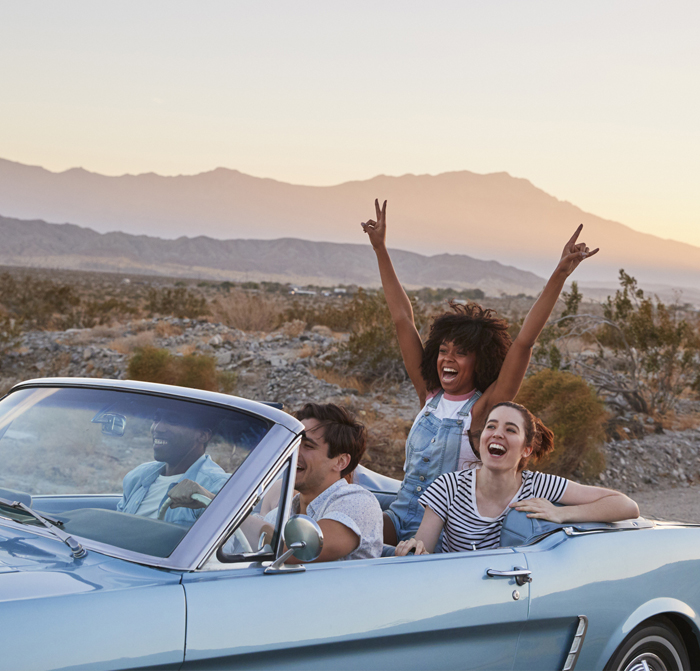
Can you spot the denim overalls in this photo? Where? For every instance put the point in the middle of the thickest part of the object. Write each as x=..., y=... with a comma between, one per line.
x=432, y=448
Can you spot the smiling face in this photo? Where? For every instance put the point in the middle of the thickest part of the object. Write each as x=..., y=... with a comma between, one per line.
x=176, y=444
x=502, y=443
x=455, y=369
x=316, y=471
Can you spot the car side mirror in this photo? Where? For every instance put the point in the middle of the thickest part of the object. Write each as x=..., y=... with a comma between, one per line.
x=304, y=539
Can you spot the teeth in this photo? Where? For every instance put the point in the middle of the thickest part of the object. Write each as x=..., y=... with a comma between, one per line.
x=495, y=448
x=449, y=370
x=158, y=441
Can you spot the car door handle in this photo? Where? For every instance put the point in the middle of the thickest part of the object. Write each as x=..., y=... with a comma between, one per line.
x=521, y=575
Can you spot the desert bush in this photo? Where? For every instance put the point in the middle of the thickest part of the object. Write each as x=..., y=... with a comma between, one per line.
x=335, y=314
x=643, y=354
x=372, y=351
x=248, y=312
x=333, y=376
x=179, y=302
x=10, y=332
x=151, y=364
x=128, y=344
x=569, y=406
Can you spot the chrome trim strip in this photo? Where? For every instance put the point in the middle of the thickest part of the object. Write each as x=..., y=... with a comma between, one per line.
x=576, y=644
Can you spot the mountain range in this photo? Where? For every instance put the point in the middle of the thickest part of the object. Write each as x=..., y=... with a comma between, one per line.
x=493, y=216
x=43, y=245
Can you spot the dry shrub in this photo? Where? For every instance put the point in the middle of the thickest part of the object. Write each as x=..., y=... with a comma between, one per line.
x=306, y=351
x=333, y=376
x=129, y=344
x=679, y=421
x=386, y=444
x=294, y=328
x=87, y=336
x=158, y=365
x=166, y=329
x=247, y=312
x=568, y=405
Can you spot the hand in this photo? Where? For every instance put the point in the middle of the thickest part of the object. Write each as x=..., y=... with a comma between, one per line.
x=376, y=229
x=403, y=548
x=574, y=253
x=181, y=495
x=541, y=509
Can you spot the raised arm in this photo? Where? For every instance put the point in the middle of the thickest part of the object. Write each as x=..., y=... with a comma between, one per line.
x=398, y=302
x=506, y=387
x=582, y=503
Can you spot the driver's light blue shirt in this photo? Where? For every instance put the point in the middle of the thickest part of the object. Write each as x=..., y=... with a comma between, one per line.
x=204, y=472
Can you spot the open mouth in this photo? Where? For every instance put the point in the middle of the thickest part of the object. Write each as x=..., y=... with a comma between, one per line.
x=496, y=450
x=159, y=441
x=449, y=374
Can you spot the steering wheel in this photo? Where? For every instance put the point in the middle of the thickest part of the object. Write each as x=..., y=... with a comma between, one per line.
x=238, y=534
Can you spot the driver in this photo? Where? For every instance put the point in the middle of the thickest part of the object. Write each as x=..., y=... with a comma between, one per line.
x=179, y=444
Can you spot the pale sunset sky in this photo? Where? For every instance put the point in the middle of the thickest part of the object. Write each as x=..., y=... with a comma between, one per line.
x=596, y=102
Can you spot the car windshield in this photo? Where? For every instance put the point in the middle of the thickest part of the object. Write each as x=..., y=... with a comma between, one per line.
x=103, y=462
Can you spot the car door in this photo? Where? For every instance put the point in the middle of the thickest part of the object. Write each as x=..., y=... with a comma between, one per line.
x=429, y=612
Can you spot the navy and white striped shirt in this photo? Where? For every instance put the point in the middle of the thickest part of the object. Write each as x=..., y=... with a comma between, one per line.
x=453, y=498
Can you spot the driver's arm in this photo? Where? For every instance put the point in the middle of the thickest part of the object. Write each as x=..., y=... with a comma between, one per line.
x=181, y=495
x=338, y=542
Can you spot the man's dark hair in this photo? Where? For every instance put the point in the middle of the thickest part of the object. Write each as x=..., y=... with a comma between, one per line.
x=472, y=329
x=341, y=430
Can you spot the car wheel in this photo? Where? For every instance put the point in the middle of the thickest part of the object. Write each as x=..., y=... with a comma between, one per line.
x=652, y=646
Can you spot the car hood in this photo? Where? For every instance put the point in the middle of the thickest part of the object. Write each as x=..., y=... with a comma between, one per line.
x=34, y=566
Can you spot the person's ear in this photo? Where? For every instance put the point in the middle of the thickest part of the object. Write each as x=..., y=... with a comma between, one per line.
x=204, y=436
x=527, y=451
x=342, y=462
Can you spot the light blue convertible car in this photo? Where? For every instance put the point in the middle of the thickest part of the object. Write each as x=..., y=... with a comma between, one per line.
x=85, y=584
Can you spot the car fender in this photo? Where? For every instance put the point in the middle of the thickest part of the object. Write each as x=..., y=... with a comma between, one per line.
x=648, y=610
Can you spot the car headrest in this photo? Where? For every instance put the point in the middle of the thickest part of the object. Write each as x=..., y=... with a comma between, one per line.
x=519, y=529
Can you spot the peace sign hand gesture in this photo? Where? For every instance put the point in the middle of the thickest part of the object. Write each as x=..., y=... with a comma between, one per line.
x=376, y=229
x=574, y=253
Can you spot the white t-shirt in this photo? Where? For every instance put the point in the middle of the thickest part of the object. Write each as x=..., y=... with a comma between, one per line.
x=151, y=502
x=448, y=408
x=452, y=497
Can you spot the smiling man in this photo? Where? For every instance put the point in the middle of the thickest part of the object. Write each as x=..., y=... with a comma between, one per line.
x=180, y=468
x=349, y=516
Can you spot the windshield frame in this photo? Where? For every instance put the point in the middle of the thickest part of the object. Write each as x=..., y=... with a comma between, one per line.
x=199, y=541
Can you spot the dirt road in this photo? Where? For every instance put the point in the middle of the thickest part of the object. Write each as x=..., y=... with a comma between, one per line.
x=681, y=504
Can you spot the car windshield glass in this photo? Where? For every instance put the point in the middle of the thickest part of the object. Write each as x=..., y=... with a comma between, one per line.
x=129, y=469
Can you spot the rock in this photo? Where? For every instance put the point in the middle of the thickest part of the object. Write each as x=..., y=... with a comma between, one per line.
x=223, y=358
x=216, y=340
x=87, y=353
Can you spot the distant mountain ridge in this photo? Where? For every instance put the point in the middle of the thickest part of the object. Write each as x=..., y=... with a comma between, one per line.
x=39, y=244
x=492, y=216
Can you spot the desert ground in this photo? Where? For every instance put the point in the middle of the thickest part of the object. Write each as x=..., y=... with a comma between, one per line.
x=266, y=344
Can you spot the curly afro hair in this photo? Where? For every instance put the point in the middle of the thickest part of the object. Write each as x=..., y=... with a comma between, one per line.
x=473, y=329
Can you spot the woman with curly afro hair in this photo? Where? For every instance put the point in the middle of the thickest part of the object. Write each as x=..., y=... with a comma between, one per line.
x=467, y=366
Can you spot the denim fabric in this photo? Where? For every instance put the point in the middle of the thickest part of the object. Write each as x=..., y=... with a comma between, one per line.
x=204, y=472
x=432, y=448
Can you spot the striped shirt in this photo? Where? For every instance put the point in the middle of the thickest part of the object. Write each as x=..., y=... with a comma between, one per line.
x=453, y=498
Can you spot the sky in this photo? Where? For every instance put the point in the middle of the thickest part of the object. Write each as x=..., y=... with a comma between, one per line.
x=596, y=102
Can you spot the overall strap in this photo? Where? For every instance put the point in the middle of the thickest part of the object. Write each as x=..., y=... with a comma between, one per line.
x=435, y=400
x=467, y=407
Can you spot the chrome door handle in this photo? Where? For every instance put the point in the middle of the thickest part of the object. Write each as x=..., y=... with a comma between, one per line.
x=521, y=575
